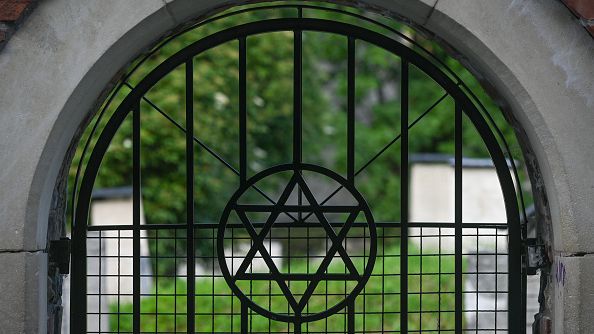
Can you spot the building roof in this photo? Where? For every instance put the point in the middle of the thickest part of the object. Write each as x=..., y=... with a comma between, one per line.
x=583, y=11
x=111, y=193
x=439, y=158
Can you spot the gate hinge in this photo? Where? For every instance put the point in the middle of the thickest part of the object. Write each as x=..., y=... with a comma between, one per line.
x=59, y=254
x=536, y=256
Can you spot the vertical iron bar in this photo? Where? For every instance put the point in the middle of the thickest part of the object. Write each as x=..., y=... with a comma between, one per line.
x=175, y=281
x=78, y=296
x=271, y=236
x=439, y=277
x=326, y=294
x=119, y=273
x=156, y=280
x=242, y=111
x=523, y=273
x=190, y=251
x=244, y=318
x=297, y=111
x=364, y=292
x=404, y=198
x=476, y=282
x=297, y=327
x=136, y=198
x=297, y=96
x=458, y=217
x=351, y=111
x=516, y=314
x=421, y=279
x=212, y=281
x=345, y=289
x=232, y=270
x=351, y=318
x=383, y=279
x=251, y=296
x=100, y=294
x=496, y=276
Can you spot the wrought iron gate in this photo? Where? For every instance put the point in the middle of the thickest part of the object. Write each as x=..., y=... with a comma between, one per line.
x=371, y=274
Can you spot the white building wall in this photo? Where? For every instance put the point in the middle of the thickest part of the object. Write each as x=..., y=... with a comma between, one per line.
x=432, y=200
x=117, y=252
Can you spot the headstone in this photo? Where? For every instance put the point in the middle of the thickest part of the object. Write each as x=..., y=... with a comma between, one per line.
x=432, y=200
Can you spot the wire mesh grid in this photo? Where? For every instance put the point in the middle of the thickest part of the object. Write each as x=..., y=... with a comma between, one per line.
x=430, y=294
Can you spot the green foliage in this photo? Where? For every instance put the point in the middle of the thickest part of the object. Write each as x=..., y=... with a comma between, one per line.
x=215, y=297
x=270, y=117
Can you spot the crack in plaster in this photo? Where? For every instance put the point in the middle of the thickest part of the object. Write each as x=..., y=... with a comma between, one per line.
x=575, y=254
x=431, y=11
x=15, y=251
x=168, y=10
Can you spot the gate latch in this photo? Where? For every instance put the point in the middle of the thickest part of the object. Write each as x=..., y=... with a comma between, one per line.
x=536, y=256
x=59, y=254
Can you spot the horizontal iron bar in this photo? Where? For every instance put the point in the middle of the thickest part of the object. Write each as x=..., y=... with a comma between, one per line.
x=298, y=277
x=298, y=224
x=142, y=227
x=296, y=208
x=425, y=255
x=415, y=273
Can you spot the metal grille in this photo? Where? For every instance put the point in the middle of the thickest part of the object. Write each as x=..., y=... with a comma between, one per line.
x=393, y=277
x=377, y=308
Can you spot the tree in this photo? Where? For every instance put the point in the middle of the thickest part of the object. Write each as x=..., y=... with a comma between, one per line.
x=270, y=117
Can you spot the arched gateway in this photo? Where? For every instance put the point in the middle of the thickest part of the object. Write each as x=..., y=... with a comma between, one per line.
x=263, y=214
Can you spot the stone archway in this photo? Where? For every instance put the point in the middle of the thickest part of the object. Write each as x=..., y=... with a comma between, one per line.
x=531, y=55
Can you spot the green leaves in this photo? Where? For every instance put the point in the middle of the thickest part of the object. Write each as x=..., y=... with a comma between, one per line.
x=270, y=122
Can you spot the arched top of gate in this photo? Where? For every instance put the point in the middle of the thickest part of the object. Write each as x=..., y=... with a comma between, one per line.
x=430, y=65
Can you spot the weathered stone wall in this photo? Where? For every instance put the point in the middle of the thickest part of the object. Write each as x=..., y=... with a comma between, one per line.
x=531, y=54
x=56, y=229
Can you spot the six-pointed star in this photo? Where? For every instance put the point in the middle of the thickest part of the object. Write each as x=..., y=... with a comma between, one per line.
x=318, y=210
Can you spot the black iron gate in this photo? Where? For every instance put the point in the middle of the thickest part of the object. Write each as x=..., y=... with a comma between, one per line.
x=351, y=236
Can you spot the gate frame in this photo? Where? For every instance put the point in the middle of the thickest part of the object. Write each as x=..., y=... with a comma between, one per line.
x=516, y=308
x=542, y=66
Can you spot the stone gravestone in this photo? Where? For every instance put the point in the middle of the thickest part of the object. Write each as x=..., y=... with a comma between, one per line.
x=109, y=258
x=432, y=200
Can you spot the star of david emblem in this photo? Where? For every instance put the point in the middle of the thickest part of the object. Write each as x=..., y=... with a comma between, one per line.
x=318, y=212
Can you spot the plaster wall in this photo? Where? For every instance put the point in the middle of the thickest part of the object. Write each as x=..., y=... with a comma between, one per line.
x=530, y=53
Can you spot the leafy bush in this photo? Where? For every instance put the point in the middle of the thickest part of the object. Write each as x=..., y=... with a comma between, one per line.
x=213, y=296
